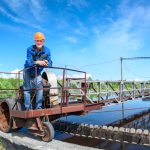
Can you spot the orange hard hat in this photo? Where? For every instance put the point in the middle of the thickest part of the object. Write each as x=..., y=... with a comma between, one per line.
x=39, y=36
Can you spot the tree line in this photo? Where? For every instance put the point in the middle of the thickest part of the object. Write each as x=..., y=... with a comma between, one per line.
x=8, y=87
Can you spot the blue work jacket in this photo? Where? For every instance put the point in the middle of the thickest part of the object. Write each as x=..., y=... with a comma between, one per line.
x=34, y=55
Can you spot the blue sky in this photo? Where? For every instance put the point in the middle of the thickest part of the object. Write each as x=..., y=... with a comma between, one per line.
x=89, y=35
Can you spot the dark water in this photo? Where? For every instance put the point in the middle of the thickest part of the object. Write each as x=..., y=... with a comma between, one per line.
x=100, y=117
x=104, y=144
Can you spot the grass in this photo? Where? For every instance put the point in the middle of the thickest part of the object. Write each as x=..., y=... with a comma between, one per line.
x=2, y=147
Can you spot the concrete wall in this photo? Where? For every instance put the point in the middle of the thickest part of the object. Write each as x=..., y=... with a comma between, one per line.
x=23, y=141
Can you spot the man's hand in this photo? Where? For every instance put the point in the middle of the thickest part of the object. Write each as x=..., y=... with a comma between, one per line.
x=42, y=62
x=46, y=62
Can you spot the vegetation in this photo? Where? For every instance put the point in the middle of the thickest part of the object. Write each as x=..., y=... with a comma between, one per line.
x=8, y=87
x=2, y=147
x=93, y=87
x=12, y=85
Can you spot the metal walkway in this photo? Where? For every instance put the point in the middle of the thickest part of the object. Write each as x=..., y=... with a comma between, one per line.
x=112, y=91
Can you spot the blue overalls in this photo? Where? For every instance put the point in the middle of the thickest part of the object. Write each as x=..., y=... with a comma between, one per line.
x=32, y=79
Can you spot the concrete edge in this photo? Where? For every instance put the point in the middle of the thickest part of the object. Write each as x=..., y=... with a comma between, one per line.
x=23, y=141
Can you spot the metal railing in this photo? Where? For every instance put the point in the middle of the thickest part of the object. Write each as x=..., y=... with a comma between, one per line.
x=64, y=87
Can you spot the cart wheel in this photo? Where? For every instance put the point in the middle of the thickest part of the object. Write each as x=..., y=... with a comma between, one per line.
x=48, y=132
x=5, y=116
x=5, y=123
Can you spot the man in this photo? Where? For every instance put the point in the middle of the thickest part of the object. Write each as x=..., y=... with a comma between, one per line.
x=37, y=55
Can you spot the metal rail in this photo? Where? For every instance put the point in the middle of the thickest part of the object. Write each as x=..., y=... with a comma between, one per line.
x=110, y=91
x=97, y=90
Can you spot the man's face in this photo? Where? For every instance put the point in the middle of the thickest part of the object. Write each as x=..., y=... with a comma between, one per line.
x=39, y=43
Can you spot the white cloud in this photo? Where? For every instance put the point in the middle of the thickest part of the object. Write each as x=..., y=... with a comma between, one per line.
x=15, y=4
x=80, y=29
x=78, y=4
x=12, y=74
x=6, y=76
x=35, y=8
x=137, y=79
x=125, y=34
x=18, y=20
x=9, y=15
x=15, y=71
x=84, y=50
x=61, y=23
x=21, y=10
x=71, y=39
x=38, y=9
x=81, y=75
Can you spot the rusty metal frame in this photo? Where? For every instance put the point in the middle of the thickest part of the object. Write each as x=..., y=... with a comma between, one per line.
x=64, y=108
x=72, y=108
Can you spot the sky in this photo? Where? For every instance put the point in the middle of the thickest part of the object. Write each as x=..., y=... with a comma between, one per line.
x=89, y=35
